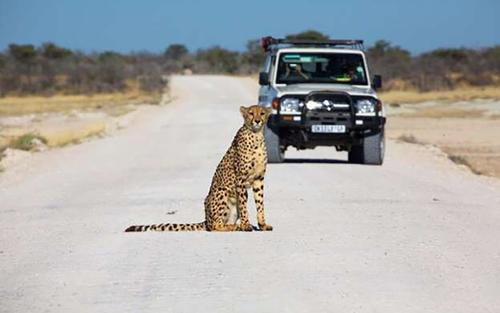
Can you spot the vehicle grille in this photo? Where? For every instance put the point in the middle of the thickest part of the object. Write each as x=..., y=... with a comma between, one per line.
x=333, y=118
x=331, y=102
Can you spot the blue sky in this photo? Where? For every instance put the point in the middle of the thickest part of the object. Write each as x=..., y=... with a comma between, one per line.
x=96, y=25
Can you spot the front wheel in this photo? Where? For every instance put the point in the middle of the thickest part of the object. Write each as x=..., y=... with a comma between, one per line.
x=275, y=152
x=370, y=151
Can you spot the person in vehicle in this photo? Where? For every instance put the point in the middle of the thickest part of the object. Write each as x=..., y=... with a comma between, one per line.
x=293, y=71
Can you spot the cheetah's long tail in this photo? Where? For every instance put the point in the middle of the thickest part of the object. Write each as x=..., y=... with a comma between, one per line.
x=168, y=227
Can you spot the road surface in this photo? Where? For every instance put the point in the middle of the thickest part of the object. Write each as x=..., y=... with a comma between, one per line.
x=418, y=234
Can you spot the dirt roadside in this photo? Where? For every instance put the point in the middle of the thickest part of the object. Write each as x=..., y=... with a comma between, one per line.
x=61, y=127
x=467, y=131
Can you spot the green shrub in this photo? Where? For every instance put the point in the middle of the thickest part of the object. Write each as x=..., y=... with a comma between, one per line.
x=26, y=142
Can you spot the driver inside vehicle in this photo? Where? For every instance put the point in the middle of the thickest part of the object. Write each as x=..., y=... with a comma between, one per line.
x=349, y=73
x=356, y=72
x=352, y=73
x=293, y=71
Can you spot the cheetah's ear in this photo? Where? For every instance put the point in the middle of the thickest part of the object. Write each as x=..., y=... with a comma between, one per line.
x=243, y=111
x=269, y=111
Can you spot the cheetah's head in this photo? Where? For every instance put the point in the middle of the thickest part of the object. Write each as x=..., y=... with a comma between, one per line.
x=255, y=116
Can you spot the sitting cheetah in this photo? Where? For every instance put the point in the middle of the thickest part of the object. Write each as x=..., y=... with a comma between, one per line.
x=243, y=166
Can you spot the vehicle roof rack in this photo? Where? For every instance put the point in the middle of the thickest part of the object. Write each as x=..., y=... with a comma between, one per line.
x=268, y=43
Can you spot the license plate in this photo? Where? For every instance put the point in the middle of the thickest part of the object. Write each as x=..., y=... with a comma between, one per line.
x=328, y=128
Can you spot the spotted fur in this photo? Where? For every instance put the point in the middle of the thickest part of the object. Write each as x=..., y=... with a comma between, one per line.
x=242, y=167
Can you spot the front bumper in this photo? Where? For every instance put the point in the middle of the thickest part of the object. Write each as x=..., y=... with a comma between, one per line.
x=295, y=130
x=306, y=120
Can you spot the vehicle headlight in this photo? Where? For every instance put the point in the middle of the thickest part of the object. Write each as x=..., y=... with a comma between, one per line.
x=365, y=106
x=290, y=106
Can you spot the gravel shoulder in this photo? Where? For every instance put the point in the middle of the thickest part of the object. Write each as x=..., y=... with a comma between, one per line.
x=467, y=131
x=418, y=234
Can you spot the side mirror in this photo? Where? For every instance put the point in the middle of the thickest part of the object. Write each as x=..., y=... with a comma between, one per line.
x=377, y=82
x=263, y=78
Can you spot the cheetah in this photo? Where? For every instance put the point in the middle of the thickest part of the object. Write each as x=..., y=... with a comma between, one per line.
x=242, y=167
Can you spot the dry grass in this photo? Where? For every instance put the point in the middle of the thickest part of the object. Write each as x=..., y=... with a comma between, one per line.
x=4, y=142
x=63, y=137
x=11, y=105
x=466, y=93
x=58, y=137
x=446, y=112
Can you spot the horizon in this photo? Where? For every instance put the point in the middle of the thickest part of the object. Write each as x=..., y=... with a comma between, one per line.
x=96, y=26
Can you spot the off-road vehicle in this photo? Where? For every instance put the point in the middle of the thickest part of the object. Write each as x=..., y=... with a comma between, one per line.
x=321, y=95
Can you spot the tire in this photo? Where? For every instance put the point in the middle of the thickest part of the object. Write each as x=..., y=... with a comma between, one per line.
x=371, y=151
x=275, y=153
x=355, y=155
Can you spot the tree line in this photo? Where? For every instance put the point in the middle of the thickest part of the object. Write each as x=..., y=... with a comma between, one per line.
x=52, y=69
x=439, y=69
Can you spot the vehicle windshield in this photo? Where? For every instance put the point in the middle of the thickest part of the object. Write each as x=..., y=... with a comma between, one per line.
x=329, y=68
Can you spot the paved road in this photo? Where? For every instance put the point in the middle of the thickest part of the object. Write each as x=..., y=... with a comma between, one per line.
x=415, y=235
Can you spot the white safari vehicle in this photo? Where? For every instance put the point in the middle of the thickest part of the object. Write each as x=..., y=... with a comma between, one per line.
x=322, y=95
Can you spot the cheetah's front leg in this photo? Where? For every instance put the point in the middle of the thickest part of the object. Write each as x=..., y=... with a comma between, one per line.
x=258, y=195
x=242, y=206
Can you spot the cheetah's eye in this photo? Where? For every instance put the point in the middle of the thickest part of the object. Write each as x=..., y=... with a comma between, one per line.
x=261, y=113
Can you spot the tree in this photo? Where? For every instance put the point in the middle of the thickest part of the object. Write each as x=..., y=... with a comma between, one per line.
x=379, y=49
x=176, y=51
x=176, y=58
x=52, y=51
x=111, y=71
x=217, y=60
x=454, y=55
x=492, y=57
x=22, y=53
x=390, y=61
x=308, y=35
x=110, y=56
x=3, y=60
x=253, y=57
